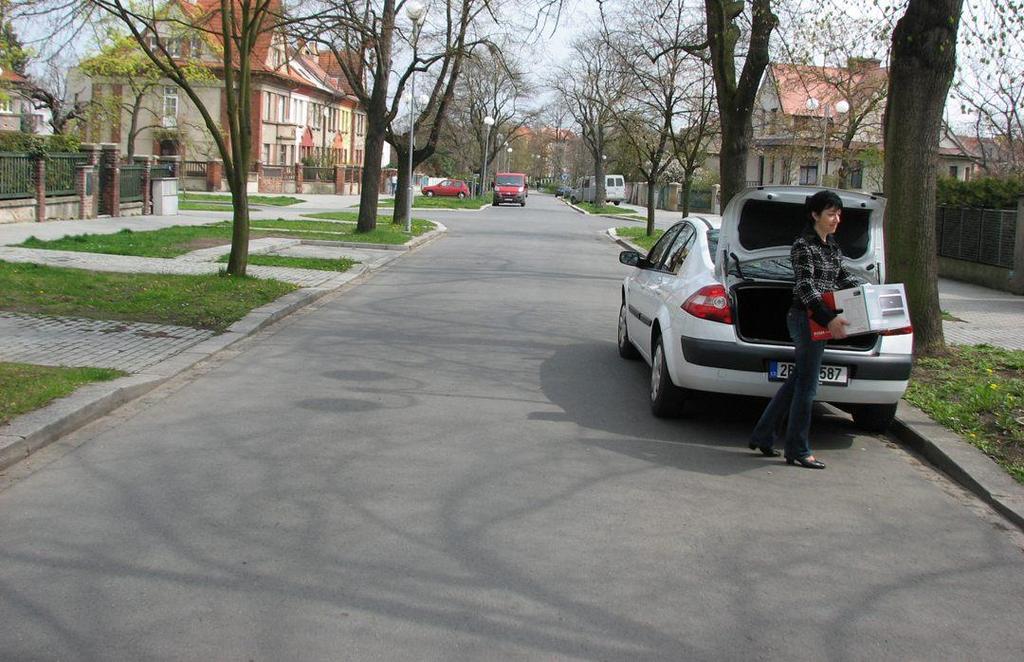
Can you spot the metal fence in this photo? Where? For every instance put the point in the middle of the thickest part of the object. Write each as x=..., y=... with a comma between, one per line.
x=16, y=175
x=60, y=173
x=131, y=183
x=700, y=200
x=162, y=170
x=317, y=174
x=193, y=168
x=985, y=236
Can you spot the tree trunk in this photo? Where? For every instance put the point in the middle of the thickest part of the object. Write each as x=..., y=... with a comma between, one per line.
x=923, y=61
x=370, y=181
x=685, y=193
x=402, y=192
x=650, y=206
x=736, y=132
x=239, y=258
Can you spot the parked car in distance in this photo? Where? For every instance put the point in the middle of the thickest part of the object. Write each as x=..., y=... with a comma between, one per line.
x=447, y=187
x=510, y=187
x=586, y=189
x=706, y=307
x=563, y=191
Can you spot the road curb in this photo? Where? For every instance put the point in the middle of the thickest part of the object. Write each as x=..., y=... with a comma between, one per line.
x=34, y=430
x=945, y=450
x=625, y=217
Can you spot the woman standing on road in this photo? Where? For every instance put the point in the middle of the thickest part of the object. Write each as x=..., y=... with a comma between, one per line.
x=818, y=267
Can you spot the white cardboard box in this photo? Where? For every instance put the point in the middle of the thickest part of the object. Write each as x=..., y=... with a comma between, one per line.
x=868, y=309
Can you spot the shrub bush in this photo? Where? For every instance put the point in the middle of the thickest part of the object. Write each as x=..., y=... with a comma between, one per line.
x=984, y=192
x=30, y=143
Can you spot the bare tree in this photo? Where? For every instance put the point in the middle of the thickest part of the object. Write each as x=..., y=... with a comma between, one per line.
x=736, y=95
x=990, y=90
x=591, y=87
x=655, y=48
x=50, y=91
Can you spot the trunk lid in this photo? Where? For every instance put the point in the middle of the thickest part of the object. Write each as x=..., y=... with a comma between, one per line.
x=760, y=224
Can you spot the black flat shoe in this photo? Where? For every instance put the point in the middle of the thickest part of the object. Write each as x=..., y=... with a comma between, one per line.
x=804, y=462
x=767, y=452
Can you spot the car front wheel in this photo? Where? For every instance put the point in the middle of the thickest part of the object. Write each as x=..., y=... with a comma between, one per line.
x=874, y=418
x=666, y=398
x=429, y=194
x=626, y=348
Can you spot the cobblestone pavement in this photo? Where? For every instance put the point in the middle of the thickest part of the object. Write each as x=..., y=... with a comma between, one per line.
x=68, y=341
x=989, y=316
x=132, y=264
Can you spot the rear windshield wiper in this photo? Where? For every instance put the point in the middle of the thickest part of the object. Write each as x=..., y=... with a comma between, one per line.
x=739, y=270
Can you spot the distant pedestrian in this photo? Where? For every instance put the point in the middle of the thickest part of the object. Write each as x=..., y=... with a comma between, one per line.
x=818, y=267
x=393, y=184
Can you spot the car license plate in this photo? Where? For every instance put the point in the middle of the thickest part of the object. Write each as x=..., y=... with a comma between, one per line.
x=833, y=375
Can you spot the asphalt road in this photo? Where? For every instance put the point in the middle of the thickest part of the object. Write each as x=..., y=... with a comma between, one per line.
x=450, y=462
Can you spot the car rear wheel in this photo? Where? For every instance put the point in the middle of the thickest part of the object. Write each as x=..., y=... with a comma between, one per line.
x=666, y=398
x=429, y=194
x=626, y=348
x=461, y=195
x=873, y=418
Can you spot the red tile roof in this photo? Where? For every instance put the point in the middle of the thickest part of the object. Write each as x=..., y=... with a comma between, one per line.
x=795, y=83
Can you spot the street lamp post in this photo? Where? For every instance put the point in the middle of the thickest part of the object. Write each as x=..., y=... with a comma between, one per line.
x=416, y=12
x=842, y=107
x=488, y=122
x=508, y=161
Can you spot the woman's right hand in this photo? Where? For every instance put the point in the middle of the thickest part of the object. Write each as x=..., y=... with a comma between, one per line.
x=837, y=327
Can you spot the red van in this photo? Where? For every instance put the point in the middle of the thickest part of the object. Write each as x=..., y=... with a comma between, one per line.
x=510, y=187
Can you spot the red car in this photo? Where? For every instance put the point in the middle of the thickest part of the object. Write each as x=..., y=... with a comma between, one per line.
x=450, y=187
x=510, y=187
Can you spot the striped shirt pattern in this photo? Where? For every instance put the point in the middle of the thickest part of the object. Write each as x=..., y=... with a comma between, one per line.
x=818, y=268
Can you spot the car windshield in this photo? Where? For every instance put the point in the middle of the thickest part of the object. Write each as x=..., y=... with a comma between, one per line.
x=509, y=180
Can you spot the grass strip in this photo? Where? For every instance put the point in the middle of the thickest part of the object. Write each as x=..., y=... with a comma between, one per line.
x=273, y=200
x=206, y=302
x=638, y=236
x=442, y=202
x=320, y=264
x=25, y=387
x=186, y=205
x=977, y=392
x=166, y=243
x=591, y=208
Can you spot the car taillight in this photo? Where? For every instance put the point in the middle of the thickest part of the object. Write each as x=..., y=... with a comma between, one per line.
x=902, y=331
x=710, y=303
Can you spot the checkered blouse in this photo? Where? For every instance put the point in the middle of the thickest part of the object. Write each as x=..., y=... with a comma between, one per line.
x=819, y=268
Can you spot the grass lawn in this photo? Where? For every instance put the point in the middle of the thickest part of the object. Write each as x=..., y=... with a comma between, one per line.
x=188, y=205
x=320, y=264
x=978, y=392
x=442, y=202
x=206, y=302
x=638, y=235
x=272, y=200
x=591, y=208
x=26, y=387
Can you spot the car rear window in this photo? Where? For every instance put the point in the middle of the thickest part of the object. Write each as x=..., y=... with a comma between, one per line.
x=768, y=223
x=509, y=180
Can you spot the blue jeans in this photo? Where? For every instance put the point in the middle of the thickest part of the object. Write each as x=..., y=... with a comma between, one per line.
x=795, y=398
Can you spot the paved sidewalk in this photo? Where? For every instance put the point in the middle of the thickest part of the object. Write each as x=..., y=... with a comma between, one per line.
x=67, y=341
x=989, y=316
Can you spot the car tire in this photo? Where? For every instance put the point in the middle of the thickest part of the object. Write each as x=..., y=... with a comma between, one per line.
x=873, y=418
x=523, y=203
x=666, y=398
x=494, y=203
x=616, y=203
x=429, y=194
x=626, y=348
x=461, y=195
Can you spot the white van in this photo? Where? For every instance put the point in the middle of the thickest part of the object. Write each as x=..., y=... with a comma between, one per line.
x=586, y=189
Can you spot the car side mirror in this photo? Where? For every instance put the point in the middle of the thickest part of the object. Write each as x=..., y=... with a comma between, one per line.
x=630, y=258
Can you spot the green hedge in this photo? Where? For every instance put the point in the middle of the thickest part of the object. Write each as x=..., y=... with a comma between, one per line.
x=984, y=192
x=30, y=143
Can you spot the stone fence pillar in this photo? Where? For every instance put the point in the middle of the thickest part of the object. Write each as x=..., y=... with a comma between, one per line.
x=716, y=199
x=1016, y=284
x=339, y=180
x=39, y=175
x=85, y=191
x=214, y=174
x=147, y=186
x=110, y=179
x=298, y=177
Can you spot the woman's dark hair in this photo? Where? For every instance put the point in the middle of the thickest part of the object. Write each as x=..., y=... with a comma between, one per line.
x=821, y=201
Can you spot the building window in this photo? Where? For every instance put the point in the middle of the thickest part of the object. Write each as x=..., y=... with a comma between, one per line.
x=266, y=152
x=5, y=105
x=360, y=124
x=952, y=171
x=968, y=171
x=195, y=46
x=174, y=47
x=808, y=175
x=857, y=176
x=170, y=114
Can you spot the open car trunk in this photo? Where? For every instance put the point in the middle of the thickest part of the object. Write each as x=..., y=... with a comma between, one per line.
x=760, y=311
